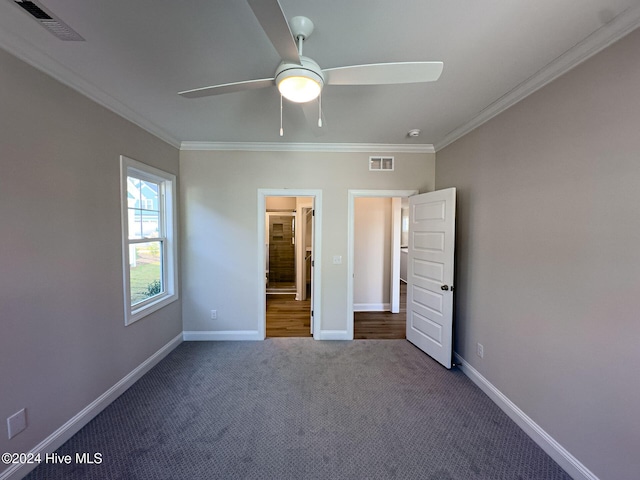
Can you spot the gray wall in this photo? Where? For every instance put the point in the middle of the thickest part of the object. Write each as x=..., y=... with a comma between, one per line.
x=220, y=220
x=548, y=256
x=63, y=341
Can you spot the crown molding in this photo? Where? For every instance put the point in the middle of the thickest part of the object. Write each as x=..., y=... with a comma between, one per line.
x=617, y=28
x=308, y=147
x=30, y=54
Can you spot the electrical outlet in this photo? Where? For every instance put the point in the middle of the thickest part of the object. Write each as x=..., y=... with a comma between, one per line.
x=214, y=314
x=16, y=423
x=480, y=350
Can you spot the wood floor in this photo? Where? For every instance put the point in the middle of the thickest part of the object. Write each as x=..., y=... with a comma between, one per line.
x=287, y=317
x=382, y=325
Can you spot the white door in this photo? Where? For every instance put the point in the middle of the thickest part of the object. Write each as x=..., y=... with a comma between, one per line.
x=430, y=273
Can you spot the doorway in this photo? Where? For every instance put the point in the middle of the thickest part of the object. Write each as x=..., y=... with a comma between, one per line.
x=385, y=318
x=289, y=230
x=289, y=234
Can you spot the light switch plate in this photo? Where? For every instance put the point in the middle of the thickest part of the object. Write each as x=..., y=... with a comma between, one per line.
x=337, y=259
x=16, y=423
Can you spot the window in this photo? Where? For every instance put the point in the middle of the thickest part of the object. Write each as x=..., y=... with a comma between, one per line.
x=149, y=238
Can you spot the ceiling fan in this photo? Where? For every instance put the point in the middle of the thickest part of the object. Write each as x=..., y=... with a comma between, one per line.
x=299, y=78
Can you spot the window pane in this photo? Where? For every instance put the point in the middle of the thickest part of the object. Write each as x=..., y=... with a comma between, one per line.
x=145, y=271
x=149, y=195
x=135, y=223
x=143, y=224
x=150, y=224
x=133, y=192
x=143, y=200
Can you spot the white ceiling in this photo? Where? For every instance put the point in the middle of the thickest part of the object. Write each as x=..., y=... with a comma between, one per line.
x=138, y=54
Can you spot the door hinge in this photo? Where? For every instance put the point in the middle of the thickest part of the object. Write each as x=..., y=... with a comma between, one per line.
x=312, y=313
x=313, y=213
x=313, y=263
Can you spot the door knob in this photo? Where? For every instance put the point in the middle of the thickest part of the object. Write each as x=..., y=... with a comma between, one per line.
x=444, y=287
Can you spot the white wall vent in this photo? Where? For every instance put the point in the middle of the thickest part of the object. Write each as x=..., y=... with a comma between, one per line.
x=49, y=21
x=381, y=164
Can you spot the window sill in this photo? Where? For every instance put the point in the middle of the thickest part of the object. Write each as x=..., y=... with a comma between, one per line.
x=149, y=308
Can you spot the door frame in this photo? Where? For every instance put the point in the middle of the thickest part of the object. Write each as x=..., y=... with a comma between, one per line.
x=316, y=195
x=353, y=194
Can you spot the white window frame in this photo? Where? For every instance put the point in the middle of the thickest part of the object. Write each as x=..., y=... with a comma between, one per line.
x=168, y=220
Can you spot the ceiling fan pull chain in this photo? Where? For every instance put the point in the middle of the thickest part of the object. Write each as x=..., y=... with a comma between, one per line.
x=281, y=130
x=320, y=110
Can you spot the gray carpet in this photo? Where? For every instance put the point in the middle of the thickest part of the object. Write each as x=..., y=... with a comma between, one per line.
x=302, y=409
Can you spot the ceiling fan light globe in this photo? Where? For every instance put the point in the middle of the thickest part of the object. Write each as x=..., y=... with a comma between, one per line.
x=299, y=89
x=300, y=83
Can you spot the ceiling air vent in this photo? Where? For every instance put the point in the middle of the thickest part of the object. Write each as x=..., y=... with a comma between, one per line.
x=50, y=21
x=381, y=164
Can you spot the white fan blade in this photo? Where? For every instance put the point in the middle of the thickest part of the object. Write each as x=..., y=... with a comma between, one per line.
x=383, y=73
x=228, y=88
x=271, y=17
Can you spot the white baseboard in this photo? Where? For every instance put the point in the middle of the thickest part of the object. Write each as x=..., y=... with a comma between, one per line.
x=231, y=335
x=371, y=307
x=334, y=335
x=79, y=420
x=556, y=451
x=241, y=335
